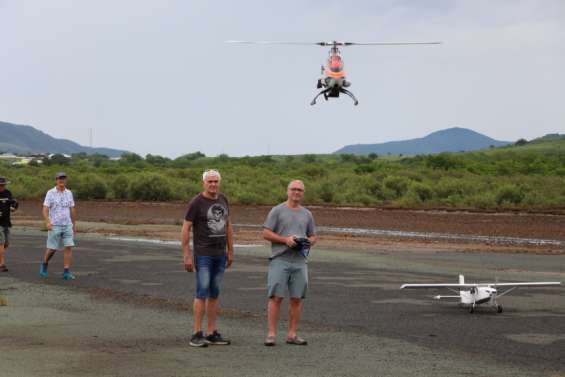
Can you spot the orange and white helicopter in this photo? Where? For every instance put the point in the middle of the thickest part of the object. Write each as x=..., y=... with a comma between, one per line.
x=333, y=80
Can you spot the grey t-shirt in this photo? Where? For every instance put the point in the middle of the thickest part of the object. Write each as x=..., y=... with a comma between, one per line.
x=286, y=222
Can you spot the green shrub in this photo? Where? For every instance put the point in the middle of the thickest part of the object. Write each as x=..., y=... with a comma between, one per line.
x=398, y=185
x=364, y=169
x=421, y=190
x=314, y=171
x=509, y=194
x=326, y=192
x=89, y=187
x=443, y=161
x=309, y=158
x=485, y=200
x=410, y=199
x=150, y=187
x=29, y=187
x=120, y=187
x=448, y=186
x=246, y=198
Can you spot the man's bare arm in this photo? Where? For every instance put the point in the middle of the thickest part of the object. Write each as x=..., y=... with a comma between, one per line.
x=74, y=218
x=45, y=213
x=230, y=244
x=313, y=239
x=185, y=241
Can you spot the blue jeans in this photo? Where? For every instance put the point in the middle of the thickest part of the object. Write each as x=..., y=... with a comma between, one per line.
x=209, y=275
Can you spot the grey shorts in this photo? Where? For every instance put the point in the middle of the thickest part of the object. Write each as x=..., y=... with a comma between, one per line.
x=4, y=236
x=288, y=274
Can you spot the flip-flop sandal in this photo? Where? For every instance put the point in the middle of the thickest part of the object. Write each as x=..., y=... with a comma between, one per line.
x=270, y=341
x=297, y=341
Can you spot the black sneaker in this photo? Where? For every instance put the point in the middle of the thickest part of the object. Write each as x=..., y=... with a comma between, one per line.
x=198, y=340
x=216, y=339
x=3, y=268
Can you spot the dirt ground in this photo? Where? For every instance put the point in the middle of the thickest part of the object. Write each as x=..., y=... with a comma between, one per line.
x=551, y=226
x=162, y=221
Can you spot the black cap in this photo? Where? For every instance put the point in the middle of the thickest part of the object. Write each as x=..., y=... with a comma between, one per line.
x=60, y=174
x=3, y=181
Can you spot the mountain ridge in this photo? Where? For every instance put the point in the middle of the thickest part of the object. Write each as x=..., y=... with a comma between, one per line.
x=24, y=139
x=454, y=139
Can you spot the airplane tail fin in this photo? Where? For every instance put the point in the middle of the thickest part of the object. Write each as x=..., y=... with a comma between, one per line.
x=461, y=279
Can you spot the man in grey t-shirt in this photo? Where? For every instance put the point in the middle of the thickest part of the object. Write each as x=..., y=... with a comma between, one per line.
x=291, y=230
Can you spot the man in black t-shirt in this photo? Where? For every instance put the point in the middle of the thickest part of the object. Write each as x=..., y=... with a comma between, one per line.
x=208, y=217
x=7, y=205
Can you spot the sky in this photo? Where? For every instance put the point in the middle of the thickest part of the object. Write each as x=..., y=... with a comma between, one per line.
x=156, y=76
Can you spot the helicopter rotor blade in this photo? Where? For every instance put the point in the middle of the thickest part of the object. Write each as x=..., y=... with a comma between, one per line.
x=333, y=43
x=387, y=43
x=276, y=43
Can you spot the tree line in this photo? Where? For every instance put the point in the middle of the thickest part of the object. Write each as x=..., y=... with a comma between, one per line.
x=522, y=176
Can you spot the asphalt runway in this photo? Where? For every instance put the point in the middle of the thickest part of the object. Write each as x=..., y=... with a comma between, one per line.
x=353, y=292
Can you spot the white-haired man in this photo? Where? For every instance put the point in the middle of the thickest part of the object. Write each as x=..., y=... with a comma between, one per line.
x=291, y=230
x=208, y=217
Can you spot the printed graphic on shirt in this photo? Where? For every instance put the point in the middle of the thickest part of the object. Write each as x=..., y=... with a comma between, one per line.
x=217, y=219
x=59, y=204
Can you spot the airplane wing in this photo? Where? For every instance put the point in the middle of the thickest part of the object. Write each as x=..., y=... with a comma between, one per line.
x=416, y=286
x=494, y=285
x=528, y=284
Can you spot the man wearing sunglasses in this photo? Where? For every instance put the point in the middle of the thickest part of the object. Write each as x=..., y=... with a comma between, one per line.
x=59, y=214
x=291, y=230
x=208, y=218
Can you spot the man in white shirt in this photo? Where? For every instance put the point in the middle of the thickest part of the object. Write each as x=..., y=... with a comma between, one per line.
x=59, y=214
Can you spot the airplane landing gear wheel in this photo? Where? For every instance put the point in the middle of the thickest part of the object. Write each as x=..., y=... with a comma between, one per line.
x=499, y=309
x=472, y=309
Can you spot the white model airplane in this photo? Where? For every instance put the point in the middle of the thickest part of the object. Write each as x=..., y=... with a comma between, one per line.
x=473, y=294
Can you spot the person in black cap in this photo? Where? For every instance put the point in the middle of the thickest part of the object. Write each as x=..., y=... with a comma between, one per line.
x=60, y=219
x=7, y=205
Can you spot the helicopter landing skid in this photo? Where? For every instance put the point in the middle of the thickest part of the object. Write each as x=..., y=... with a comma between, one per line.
x=345, y=91
x=324, y=93
x=328, y=93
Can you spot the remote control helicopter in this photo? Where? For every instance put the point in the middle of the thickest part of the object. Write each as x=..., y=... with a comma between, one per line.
x=333, y=81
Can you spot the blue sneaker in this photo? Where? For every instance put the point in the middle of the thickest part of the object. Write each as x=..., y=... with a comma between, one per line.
x=67, y=275
x=43, y=270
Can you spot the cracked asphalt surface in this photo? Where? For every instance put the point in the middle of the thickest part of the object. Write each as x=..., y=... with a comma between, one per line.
x=127, y=315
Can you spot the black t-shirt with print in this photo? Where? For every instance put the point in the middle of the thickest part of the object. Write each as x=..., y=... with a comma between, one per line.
x=6, y=202
x=209, y=219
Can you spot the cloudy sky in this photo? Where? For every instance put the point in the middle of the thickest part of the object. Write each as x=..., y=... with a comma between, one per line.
x=156, y=77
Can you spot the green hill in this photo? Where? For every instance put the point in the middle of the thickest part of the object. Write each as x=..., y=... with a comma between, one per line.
x=454, y=139
x=21, y=139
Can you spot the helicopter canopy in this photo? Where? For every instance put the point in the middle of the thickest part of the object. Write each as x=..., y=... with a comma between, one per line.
x=335, y=63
